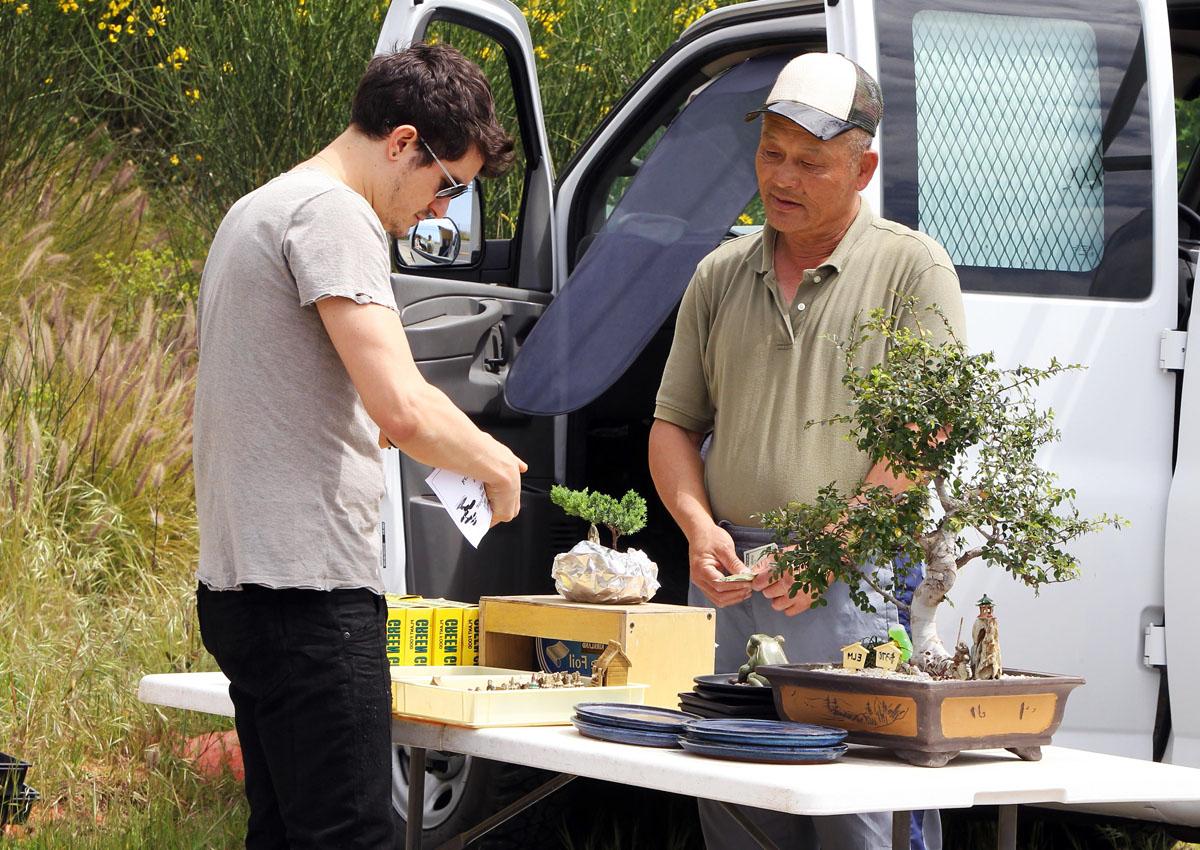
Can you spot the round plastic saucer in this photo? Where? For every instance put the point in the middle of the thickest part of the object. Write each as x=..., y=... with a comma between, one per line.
x=726, y=684
x=647, y=718
x=771, y=734
x=625, y=735
x=802, y=755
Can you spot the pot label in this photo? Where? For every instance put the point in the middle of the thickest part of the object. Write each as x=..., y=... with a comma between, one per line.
x=891, y=715
x=975, y=717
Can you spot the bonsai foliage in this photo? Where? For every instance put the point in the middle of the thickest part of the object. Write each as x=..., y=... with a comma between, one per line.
x=626, y=516
x=967, y=433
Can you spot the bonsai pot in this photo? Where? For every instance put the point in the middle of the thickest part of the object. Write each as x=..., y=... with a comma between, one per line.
x=926, y=722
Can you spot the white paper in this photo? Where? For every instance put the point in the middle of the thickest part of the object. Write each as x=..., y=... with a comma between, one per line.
x=465, y=500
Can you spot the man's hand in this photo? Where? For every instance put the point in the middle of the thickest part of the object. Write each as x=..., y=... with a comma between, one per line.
x=504, y=493
x=711, y=554
x=777, y=591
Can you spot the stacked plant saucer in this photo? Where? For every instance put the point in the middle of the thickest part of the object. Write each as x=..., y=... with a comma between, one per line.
x=776, y=741
x=720, y=695
x=624, y=723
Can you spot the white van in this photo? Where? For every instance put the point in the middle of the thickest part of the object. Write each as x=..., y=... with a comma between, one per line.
x=1036, y=140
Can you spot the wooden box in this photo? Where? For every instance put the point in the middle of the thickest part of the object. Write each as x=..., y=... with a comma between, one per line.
x=667, y=645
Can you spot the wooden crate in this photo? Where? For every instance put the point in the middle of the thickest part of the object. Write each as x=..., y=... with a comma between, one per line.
x=667, y=645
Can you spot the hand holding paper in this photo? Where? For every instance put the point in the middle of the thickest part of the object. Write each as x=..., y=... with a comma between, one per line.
x=465, y=499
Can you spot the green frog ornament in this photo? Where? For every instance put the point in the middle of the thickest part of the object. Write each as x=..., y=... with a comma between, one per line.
x=761, y=649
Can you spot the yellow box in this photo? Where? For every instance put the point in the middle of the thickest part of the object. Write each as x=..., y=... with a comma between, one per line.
x=418, y=636
x=448, y=634
x=397, y=626
x=470, y=630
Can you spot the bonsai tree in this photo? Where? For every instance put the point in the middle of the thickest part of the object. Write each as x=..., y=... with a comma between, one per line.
x=623, y=517
x=966, y=432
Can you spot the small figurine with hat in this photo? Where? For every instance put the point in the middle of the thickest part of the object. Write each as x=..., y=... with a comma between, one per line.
x=985, y=642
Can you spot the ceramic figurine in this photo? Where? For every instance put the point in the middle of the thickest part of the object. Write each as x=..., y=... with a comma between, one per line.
x=761, y=649
x=985, y=642
x=961, y=667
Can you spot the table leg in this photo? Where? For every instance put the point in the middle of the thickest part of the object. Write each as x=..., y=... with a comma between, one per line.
x=416, y=799
x=1006, y=828
x=901, y=830
x=761, y=838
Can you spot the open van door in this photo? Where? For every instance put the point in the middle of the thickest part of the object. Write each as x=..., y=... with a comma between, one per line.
x=466, y=313
x=1020, y=136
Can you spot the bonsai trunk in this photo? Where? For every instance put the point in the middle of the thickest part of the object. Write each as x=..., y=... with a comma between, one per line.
x=940, y=572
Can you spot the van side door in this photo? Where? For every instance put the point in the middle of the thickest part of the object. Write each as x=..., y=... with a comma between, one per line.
x=1020, y=135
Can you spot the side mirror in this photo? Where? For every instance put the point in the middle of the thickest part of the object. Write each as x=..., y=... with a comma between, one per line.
x=436, y=240
x=450, y=241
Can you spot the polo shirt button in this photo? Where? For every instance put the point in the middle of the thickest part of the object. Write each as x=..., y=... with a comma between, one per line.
x=800, y=307
x=817, y=279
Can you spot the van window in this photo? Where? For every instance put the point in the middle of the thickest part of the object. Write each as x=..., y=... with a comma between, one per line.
x=1020, y=140
x=502, y=198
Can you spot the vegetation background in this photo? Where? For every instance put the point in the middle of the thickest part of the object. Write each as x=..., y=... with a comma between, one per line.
x=127, y=127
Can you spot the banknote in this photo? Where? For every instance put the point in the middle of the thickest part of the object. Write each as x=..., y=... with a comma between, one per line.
x=752, y=557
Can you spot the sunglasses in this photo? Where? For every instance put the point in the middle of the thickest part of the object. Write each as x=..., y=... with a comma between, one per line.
x=455, y=188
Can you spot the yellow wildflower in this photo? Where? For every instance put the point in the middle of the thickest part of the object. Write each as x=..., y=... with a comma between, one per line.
x=68, y=6
x=745, y=219
x=48, y=80
x=583, y=69
x=158, y=14
x=541, y=52
x=199, y=158
x=226, y=67
x=174, y=159
x=486, y=52
x=149, y=32
x=194, y=94
x=102, y=26
x=22, y=9
x=178, y=57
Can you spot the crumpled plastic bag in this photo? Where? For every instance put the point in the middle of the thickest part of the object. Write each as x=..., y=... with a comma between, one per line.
x=594, y=573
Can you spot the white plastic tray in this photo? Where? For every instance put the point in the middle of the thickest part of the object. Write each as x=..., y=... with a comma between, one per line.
x=453, y=701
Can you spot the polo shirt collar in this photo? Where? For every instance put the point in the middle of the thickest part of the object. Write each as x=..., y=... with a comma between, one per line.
x=765, y=261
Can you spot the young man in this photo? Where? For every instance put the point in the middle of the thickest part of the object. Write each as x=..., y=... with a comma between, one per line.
x=751, y=363
x=303, y=366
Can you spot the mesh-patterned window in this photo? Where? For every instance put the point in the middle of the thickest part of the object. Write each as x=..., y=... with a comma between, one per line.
x=990, y=202
x=1020, y=140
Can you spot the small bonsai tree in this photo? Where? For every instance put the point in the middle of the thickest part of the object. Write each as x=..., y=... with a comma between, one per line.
x=620, y=518
x=967, y=433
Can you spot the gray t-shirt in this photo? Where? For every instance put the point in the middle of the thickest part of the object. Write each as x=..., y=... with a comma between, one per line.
x=288, y=473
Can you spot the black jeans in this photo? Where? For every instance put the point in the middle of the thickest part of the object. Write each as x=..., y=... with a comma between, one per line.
x=309, y=681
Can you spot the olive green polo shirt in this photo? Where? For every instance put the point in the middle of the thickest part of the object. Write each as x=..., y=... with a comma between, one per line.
x=754, y=370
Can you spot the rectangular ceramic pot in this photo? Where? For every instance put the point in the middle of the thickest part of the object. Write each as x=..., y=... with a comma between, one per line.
x=926, y=722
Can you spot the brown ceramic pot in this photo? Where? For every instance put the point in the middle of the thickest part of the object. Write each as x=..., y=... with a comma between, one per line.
x=926, y=722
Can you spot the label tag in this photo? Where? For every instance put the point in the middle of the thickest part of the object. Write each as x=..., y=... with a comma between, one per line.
x=465, y=500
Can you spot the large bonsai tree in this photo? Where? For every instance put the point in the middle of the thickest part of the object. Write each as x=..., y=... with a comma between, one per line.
x=967, y=433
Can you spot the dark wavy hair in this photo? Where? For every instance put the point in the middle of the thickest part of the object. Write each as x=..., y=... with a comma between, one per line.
x=440, y=92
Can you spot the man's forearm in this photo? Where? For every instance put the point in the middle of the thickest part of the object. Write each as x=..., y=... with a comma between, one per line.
x=431, y=430
x=678, y=474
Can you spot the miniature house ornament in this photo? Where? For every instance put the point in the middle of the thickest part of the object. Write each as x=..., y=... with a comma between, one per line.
x=985, y=642
x=887, y=656
x=854, y=656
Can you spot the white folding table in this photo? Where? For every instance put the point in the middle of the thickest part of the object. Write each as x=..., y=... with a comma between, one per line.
x=867, y=779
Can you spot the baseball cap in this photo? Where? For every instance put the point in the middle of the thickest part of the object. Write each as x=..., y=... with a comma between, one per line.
x=826, y=94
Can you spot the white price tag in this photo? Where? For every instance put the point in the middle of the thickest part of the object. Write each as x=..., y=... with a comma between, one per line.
x=465, y=500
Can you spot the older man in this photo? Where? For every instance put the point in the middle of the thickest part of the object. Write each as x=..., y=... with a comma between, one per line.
x=752, y=362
